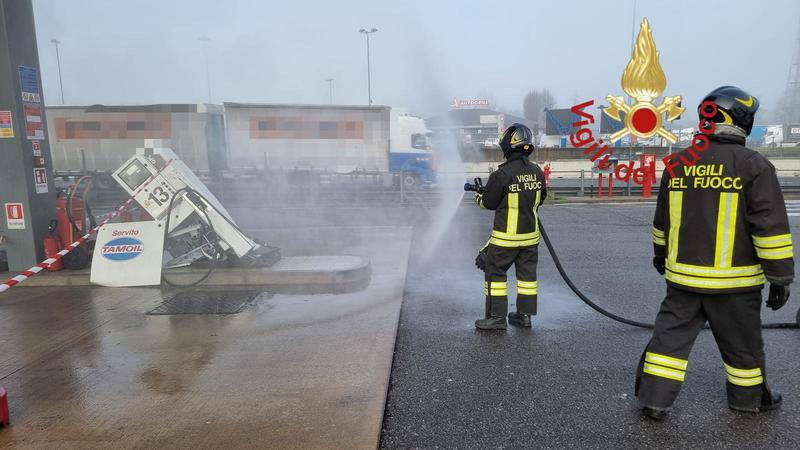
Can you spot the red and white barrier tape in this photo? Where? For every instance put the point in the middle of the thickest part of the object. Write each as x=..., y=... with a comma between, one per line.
x=47, y=262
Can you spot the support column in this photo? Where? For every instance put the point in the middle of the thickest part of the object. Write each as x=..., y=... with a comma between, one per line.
x=27, y=195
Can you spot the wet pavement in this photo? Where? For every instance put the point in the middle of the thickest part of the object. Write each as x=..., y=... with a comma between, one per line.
x=568, y=382
x=86, y=367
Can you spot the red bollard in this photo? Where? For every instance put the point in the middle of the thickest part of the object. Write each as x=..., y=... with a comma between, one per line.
x=5, y=419
x=600, y=184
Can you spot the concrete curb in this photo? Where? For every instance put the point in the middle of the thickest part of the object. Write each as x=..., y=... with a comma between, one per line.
x=291, y=275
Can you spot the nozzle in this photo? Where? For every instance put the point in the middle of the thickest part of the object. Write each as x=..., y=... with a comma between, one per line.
x=477, y=186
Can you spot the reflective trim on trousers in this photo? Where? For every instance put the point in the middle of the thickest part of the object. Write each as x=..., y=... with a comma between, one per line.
x=665, y=366
x=527, y=287
x=744, y=377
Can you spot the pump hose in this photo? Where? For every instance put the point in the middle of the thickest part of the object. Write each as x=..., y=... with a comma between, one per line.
x=211, y=262
x=611, y=315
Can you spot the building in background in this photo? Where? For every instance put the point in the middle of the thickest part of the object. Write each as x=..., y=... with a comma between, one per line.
x=476, y=132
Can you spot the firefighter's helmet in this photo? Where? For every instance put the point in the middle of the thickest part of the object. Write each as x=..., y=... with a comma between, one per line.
x=517, y=137
x=734, y=107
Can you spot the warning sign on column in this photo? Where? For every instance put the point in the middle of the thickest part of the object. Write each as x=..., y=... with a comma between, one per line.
x=33, y=122
x=40, y=178
x=15, y=217
x=6, y=127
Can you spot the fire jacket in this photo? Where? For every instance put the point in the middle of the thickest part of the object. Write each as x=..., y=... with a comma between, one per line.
x=721, y=223
x=514, y=191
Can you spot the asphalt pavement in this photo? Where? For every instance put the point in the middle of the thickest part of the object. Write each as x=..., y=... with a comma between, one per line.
x=568, y=382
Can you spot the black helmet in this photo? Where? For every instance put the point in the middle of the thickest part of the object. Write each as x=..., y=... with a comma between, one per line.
x=734, y=107
x=516, y=137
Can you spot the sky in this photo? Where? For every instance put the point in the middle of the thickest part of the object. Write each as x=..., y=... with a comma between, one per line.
x=425, y=53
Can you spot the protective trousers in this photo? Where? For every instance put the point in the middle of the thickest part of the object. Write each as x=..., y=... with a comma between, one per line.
x=735, y=321
x=498, y=261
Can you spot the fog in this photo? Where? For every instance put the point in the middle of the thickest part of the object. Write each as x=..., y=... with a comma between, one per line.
x=424, y=54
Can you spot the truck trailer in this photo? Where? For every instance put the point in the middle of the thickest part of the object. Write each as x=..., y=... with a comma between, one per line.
x=95, y=140
x=329, y=138
x=212, y=139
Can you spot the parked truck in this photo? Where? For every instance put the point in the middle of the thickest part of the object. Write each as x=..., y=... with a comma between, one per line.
x=329, y=138
x=782, y=136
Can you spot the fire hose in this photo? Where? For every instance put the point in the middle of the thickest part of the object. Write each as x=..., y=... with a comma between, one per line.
x=613, y=316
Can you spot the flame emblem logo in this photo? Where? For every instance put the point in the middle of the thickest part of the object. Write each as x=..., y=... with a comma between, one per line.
x=644, y=80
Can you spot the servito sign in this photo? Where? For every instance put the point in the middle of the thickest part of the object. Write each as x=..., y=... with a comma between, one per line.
x=122, y=248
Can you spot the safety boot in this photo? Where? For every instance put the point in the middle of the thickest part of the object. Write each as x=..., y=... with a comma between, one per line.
x=654, y=413
x=491, y=323
x=769, y=402
x=519, y=319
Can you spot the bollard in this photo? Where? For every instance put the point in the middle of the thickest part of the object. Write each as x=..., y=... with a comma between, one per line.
x=600, y=184
x=5, y=419
x=630, y=165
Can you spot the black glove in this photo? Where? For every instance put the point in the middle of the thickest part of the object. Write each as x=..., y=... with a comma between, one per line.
x=778, y=296
x=480, y=260
x=658, y=263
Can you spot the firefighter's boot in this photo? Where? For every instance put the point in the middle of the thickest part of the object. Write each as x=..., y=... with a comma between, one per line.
x=519, y=319
x=654, y=413
x=491, y=323
x=769, y=402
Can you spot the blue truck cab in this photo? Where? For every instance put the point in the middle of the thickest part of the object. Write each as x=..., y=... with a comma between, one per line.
x=410, y=152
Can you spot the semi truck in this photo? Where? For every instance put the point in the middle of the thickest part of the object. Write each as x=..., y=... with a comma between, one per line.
x=216, y=139
x=782, y=136
x=329, y=138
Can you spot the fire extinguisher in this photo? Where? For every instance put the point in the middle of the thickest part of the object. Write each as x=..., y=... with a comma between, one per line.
x=52, y=245
x=71, y=213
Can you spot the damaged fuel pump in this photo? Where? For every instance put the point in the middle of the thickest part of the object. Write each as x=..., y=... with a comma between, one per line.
x=198, y=229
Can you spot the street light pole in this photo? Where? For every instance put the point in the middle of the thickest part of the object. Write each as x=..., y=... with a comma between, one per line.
x=369, y=76
x=58, y=59
x=330, y=88
x=204, y=39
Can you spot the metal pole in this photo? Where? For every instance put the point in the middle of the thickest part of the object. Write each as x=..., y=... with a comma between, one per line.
x=369, y=75
x=205, y=40
x=369, y=71
x=58, y=60
x=330, y=88
x=580, y=193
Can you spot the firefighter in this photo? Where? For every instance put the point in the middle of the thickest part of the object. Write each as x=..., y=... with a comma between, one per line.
x=720, y=232
x=514, y=191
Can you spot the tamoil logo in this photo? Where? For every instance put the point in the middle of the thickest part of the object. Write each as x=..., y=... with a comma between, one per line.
x=122, y=249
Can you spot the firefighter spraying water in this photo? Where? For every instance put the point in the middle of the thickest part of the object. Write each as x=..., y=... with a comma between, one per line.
x=514, y=192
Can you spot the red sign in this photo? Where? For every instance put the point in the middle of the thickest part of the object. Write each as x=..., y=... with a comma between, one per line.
x=33, y=122
x=14, y=211
x=15, y=217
